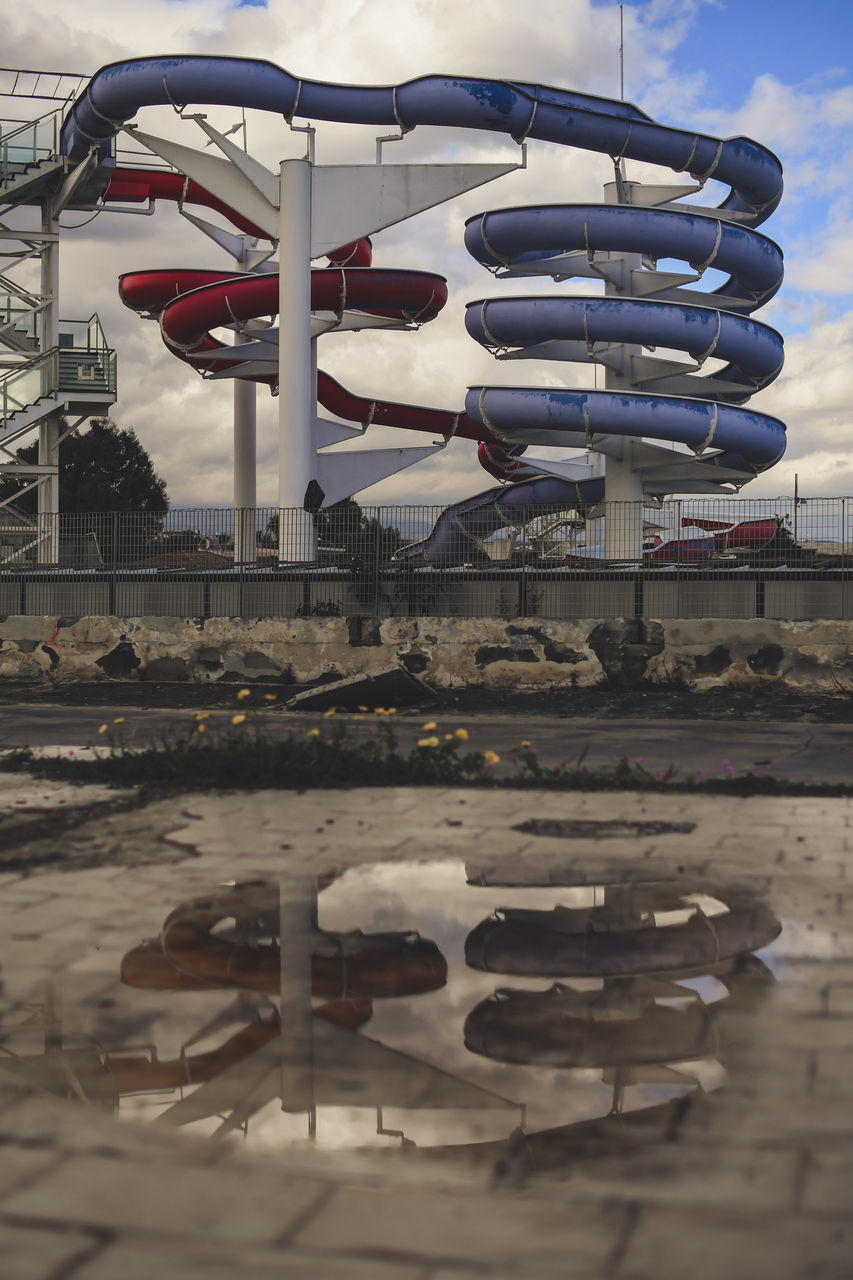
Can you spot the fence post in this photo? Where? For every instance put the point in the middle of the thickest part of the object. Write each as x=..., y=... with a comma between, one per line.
x=377, y=558
x=114, y=565
x=523, y=575
x=240, y=594
x=845, y=567
x=678, y=613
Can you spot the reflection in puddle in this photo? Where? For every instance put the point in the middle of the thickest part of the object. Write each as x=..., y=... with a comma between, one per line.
x=363, y=1009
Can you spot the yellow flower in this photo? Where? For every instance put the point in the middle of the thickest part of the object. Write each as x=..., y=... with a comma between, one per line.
x=327, y=715
x=313, y=733
x=119, y=720
x=392, y=711
x=525, y=743
x=243, y=693
x=491, y=757
x=357, y=717
x=202, y=728
x=428, y=742
x=202, y=715
x=103, y=728
x=379, y=711
x=269, y=697
x=430, y=724
x=448, y=737
x=462, y=735
x=238, y=719
x=364, y=708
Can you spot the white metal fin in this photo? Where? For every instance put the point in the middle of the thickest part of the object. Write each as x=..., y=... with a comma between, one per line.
x=340, y=475
x=326, y=432
x=222, y=178
x=354, y=200
x=257, y=173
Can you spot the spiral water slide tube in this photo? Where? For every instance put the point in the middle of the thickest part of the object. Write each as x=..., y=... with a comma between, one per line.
x=702, y=412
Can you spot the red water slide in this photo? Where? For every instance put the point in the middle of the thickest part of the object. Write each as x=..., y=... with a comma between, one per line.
x=190, y=303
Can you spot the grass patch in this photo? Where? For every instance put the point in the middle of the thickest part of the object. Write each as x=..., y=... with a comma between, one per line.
x=239, y=754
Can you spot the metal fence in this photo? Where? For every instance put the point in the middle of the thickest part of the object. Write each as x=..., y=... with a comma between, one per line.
x=691, y=557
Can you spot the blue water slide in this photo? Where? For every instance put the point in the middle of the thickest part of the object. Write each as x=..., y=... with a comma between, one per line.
x=118, y=91
x=751, y=441
x=461, y=527
x=542, y=241
x=753, y=351
x=507, y=238
x=743, y=441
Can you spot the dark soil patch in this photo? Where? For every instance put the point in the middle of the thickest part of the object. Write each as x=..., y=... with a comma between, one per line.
x=761, y=702
x=655, y=702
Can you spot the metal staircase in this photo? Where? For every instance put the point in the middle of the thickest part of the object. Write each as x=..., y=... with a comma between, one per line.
x=54, y=373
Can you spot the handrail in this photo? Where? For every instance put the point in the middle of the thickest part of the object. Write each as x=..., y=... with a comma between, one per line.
x=32, y=150
x=29, y=124
x=46, y=362
x=17, y=72
x=47, y=373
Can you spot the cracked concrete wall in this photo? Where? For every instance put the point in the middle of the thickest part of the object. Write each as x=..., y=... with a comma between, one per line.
x=523, y=654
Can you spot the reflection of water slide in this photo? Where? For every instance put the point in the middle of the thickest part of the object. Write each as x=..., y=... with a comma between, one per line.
x=635, y=932
x=627, y=1022
x=231, y=940
x=677, y=402
x=653, y=1020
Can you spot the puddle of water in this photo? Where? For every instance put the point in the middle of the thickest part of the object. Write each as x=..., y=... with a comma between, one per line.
x=455, y=1008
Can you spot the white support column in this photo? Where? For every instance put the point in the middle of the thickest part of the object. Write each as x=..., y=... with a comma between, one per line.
x=48, y=454
x=623, y=486
x=296, y=390
x=245, y=466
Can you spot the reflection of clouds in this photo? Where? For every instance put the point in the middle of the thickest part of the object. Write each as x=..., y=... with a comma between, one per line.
x=800, y=941
x=437, y=900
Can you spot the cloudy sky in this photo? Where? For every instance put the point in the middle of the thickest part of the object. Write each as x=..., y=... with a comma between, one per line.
x=784, y=78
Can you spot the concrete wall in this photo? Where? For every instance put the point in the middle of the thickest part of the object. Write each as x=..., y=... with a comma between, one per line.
x=523, y=654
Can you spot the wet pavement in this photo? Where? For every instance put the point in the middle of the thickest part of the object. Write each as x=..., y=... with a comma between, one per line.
x=427, y=1034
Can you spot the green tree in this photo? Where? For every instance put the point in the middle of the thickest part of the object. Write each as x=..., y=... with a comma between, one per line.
x=103, y=471
x=104, y=468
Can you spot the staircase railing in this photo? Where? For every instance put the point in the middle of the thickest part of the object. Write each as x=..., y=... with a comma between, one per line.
x=29, y=144
x=28, y=383
x=73, y=371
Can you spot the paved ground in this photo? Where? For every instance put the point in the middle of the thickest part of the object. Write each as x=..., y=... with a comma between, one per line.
x=803, y=750
x=750, y=1180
